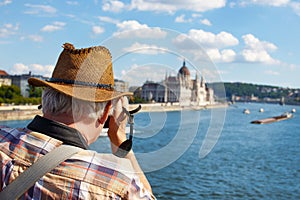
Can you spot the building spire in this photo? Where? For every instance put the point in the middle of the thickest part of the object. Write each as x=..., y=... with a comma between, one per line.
x=166, y=75
x=197, y=76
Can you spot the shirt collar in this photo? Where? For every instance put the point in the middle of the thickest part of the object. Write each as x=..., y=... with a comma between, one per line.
x=58, y=131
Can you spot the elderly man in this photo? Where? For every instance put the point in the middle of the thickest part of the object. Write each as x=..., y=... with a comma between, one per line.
x=76, y=103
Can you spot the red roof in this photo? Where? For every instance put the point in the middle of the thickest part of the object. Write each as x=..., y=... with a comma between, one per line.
x=3, y=73
x=184, y=71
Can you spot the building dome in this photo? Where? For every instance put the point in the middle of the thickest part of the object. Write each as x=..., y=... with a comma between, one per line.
x=184, y=70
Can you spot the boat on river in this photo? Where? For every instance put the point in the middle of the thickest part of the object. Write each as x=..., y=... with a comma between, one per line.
x=284, y=116
x=246, y=111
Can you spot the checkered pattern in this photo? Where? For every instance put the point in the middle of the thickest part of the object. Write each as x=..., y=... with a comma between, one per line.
x=86, y=175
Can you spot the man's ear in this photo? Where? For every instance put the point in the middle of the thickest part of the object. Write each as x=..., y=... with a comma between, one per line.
x=104, y=116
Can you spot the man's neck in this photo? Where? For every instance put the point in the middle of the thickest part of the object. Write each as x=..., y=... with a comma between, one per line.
x=63, y=118
x=88, y=128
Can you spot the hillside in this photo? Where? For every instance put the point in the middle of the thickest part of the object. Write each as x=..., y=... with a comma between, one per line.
x=253, y=92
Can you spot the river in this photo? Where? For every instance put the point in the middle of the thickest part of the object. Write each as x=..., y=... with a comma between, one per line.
x=248, y=161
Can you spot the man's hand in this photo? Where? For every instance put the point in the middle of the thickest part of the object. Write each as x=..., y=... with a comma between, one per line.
x=117, y=135
x=117, y=123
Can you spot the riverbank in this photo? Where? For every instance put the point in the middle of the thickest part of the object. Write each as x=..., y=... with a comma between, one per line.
x=7, y=115
x=18, y=112
x=29, y=111
x=157, y=107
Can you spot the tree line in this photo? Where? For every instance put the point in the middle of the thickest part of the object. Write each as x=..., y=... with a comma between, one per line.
x=223, y=91
x=12, y=95
x=248, y=89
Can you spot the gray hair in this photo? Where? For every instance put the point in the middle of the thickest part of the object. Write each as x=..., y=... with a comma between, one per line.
x=56, y=103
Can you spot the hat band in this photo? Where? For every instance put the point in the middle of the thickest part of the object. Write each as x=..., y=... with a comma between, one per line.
x=81, y=83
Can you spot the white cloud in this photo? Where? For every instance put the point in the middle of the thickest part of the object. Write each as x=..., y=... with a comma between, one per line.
x=196, y=15
x=108, y=19
x=97, y=30
x=225, y=56
x=145, y=49
x=135, y=78
x=72, y=3
x=216, y=47
x=131, y=25
x=201, y=44
x=182, y=19
x=173, y=6
x=211, y=40
x=132, y=28
x=232, y=4
x=292, y=67
x=228, y=55
x=45, y=70
x=8, y=30
x=258, y=51
x=53, y=27
x=254, y=43
x=36, y=38
x=273, y=73
x=20, y=68
x=5, y=2
x=214, y=54
x=223, y=72
x=205, y=22
x=39, y=9
x=275, y=3
x=254, y=55
x=113, y=6
x=296, y=7
x=165, y=6
x=211, y=75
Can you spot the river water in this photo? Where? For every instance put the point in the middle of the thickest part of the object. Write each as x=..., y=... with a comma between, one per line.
x=248, y=161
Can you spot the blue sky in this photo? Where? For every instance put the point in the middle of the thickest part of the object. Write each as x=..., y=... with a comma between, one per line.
x=247, y=41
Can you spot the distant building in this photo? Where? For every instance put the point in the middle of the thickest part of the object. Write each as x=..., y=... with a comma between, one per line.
x=136, y=90
x=4, y=78
x=152, y=91
x=21, y=82
x=121, y=86
x=180, y=88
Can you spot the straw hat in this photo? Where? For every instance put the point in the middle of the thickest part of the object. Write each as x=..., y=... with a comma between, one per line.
x=84, y=74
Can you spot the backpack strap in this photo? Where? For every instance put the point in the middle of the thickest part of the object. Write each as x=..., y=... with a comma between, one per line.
x=38, y=169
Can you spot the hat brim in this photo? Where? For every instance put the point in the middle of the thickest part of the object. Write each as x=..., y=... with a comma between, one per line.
x=80, y=92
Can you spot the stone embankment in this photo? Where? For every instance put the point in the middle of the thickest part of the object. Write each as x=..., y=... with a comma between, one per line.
x=28, y=112
x=18, y=112
x=156, y=107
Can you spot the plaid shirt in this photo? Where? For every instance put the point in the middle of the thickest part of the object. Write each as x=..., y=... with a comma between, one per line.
x=86, y=175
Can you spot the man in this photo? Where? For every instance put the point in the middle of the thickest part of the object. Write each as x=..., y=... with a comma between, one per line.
x=76, y=103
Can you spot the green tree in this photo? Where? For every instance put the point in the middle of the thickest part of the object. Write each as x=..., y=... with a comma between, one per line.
x=136, y=99
x=12, y=94
x=35, y=91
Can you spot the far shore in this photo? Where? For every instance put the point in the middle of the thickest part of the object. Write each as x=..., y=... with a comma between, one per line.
x=25, y=112
x=162, y=107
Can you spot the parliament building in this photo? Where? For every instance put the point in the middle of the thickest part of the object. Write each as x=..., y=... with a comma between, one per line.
x=180, y=88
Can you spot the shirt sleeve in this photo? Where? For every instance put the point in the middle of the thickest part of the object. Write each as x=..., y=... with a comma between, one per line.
x=137, y=191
